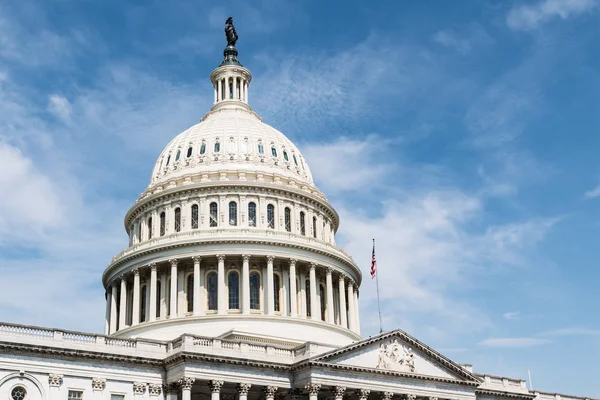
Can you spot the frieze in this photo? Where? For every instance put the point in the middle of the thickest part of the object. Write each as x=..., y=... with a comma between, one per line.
x=98, y=384
x=55, y=380
x=139, y=387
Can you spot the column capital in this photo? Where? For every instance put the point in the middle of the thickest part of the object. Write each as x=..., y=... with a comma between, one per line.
x=171, y=388
x=246, y=257
x=343, y=278
x=123, y=278
x=154, y=389
x=313, y=388
x=243, y=389
x=386, y=395
x=363, y=394
x=196, y=259
x=269, y=391
x=55, y=380
x=312, y=265
x=338, y=391
x=139, y=387
x=328, y=270
x=186, y=383
x=432, y=398
x=215, y=386
x=270, y=258
x=293, y=262
x=408, y=396
x=136, y=272
x=173, y=262
x=221, y=257
x=98, y=384
x=153, y=266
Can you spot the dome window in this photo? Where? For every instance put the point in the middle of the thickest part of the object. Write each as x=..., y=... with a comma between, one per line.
x=261, y=148
x=285, y=156
x=177, y=155
x=177, y=219
x=314, y=227
x=203, y=148
x=271, y=216
x=213, y=214
x=233, y=283
x=162, y=223
x=233, y=213
x=150, y=228
x=276, y=296
x=274, y=151
x=190, y=293
x=195, y=216
x=251, y=214
x=18, y=393
x=302, y=223
x=168, y=160
x=190, y=151
x=295, y=160
x=254, y=290
x=212, y=284
x=288, y=219
x=217, y=147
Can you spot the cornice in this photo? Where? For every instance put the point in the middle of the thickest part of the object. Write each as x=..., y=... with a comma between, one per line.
x=185, y=356
x=499, y=393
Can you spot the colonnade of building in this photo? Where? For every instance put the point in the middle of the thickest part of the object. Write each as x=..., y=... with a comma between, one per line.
x=232, y=284
x=231, y=88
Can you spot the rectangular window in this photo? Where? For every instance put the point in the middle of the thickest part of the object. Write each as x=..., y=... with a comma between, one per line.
x=117, y=397
x=75, y=395
x=195, y=216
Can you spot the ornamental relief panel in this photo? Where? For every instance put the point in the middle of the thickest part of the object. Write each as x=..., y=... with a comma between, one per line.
x=396, y=357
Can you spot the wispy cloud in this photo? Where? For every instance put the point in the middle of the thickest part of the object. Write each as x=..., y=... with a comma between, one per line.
x=449, y=38
x=528, y=17
x=511, y=315
x=513, y=343
x=571, y=331
x=61, y=108
x=592, y=193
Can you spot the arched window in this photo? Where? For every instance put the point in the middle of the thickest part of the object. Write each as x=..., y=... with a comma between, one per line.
x=276, y=289
x=203, y=148
x=308, y=307
x=233, y=283
x=168, y=160
x=217, y=147
x=212, y=283
x=323, y=301
x=232, y=213
x=162, y=223
x=143, y=304
x=214, y=218
x=158, y=289
x=177, y=155
x=273, y=151
x=285, y=156
x=302, y=223
x=288, y=219
x=195, y=216
x=271, y=216
x=251, y=214
x=150, y=228
x=261, y=148
x=190, y=293
x=254, y=291
x=295, y=160
x=177, y=219
x=314, y=227
x=190, y=151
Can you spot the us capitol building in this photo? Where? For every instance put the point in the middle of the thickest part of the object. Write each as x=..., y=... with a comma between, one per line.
x=232, y=287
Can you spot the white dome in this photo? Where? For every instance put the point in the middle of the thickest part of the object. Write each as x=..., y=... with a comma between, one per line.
x=231, y=139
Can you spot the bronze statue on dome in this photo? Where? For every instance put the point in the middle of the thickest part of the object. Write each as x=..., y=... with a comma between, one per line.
x=230, y=32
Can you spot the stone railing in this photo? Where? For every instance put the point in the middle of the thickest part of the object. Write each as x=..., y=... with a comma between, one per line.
x=234, y=233
x=503, y=383
x=556, y=396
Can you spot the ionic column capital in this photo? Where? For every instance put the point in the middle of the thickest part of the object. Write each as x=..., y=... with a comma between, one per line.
x=243, y=389
x=196, y=259
x=139, y=387
x=313, y=388
x=173, y=262
x=186, y=383
x=363, y=394
x=215, y=386
x=55, y=380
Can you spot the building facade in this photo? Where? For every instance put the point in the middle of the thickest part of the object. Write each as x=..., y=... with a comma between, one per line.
x=232, y=287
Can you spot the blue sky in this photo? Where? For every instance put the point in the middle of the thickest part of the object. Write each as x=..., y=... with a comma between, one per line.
x=471, y=128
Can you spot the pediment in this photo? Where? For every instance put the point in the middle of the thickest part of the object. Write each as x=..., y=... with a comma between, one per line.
x=396, y=352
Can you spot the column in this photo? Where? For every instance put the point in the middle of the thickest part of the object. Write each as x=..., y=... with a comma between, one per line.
x=172, y=390
x=198, y=308
x=338, y=392
x=329, y=294
x=135, y=315
x=181, y=300
x=234, y=90
x=245, y=284
x=293, y=291
x=356, y=317
x=269, y=392
x=270, y=289
x=123, y=303
x=139, y=388
x=152, y=302
x=303, y=310
x=186, y=387
x=342, y=291
x=351, y=317
x=215, y=389
x=219, y=90
x=243, y=389
x=163, y=296
x=113, y=308
x=98, y=386
x=314, y=302
x=221, y=296
x=285, y=291
x=246, y=91
x=173, y=299
x=54, y=381
x=107, y=311
x=313, y=390
x=363, y=394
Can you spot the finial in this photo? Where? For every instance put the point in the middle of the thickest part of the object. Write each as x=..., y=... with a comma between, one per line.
x=230, y=51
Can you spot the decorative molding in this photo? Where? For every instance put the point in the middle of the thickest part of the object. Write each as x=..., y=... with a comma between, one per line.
x=154, y=389
x=363, y=394
x=139, y=387
x=55, y=380
x=215, y=386
x=313, y=388
x=243, y=388
x=186, y=383
x=386, y=395
x=98, y=384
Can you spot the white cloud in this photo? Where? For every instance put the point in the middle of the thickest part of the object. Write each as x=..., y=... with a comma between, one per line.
x=528, y=17
x=592, y=193
x=511, y=315
x=513, y=343
x=61, y=108
x=449, y=38
x=572, y=331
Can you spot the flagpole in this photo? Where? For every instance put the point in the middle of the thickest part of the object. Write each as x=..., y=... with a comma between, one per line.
x=378, y=302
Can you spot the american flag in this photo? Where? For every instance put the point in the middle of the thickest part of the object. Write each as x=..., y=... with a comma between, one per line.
x=373, y=263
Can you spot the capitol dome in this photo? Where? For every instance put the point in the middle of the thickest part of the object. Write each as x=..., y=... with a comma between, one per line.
x=232, y=239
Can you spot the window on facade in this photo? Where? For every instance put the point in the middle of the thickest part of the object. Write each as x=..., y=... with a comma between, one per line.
x=189, y=151
x=212, y=291
x=232, y=213
x=190, y=293
x=195, y=216
x=168, y=160
x=233, y=284
x=295, y=161
x=203, y=148
x=143, y=304
x=261, y=148
x=150, y=228
x=288, y=219
x=158, y=289
x=18, y=393
x=177, y=155
x=302, y=223
x=271, y=216
x=254, y=291
x=323, y=301
x=75, y=395
x=162, y=223
x=308, y=307
x=276, y=289
x=285, y=156
x=177, y=219
x=117, y=397
x=214, y=218
x=217, y=147
x=274, y=151
x=251, y=214
x=314, y=227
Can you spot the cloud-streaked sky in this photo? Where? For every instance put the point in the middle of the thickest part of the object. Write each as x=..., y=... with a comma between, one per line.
x=471, y=126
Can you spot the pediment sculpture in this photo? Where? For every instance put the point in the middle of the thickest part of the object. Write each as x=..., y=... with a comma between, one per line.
x=396, y=357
